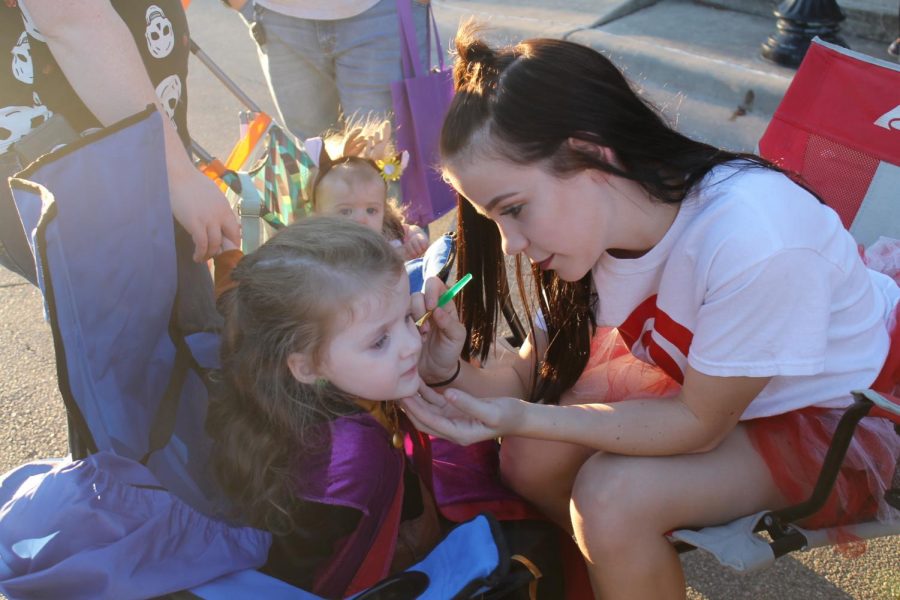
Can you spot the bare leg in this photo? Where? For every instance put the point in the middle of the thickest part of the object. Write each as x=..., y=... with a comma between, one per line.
x=543, y=473
x=623, y=505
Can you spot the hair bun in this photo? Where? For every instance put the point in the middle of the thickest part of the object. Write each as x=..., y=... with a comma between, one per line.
x=476, y=62
x=475, y=50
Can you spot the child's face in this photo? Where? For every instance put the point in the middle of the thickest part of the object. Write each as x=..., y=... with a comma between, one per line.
x=375, y=353
x=359, y=196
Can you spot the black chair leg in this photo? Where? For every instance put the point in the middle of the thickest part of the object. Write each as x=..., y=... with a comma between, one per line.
x=81, y=443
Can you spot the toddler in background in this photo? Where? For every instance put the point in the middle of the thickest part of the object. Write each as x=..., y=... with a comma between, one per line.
x=353, y=185
x=355, y=168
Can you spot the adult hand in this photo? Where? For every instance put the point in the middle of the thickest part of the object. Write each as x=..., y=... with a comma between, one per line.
x=461, y=418
x=443, y=334
x=203, y=211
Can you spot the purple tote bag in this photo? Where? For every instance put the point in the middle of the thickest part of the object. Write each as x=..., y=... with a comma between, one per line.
x=421, y=100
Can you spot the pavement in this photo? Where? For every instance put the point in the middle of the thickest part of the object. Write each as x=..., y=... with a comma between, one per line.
x=697, y=61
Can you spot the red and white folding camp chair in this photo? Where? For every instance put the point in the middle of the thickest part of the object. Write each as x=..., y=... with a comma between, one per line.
x=838, y=127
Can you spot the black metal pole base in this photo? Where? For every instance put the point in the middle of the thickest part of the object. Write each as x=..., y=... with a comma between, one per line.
x=799, y=21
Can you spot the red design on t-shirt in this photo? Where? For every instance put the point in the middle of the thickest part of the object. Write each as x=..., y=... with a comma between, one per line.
x=679, y=335
x=663, y=360
x=663, y=326
x=632, y=327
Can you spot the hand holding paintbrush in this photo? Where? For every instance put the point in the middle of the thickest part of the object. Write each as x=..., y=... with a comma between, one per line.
x=445, y=298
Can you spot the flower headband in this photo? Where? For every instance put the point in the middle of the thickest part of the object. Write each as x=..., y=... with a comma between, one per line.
x=374, y=149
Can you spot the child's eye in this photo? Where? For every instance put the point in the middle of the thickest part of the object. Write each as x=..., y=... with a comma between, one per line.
x=345, y=212
x=372, y=211
x=512, y=211
x=381, y=343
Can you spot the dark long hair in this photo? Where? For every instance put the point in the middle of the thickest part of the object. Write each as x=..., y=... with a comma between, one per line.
x=288, y=296
x=523, y=103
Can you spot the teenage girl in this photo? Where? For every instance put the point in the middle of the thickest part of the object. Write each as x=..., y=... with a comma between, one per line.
x=701, y=317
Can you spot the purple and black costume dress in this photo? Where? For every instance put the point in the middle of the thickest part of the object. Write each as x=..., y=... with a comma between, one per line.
x=358, y=489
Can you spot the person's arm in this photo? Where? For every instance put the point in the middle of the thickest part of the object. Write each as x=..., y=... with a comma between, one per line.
x=697, y=420
x=509, y=378
x=97, y=54
x=481, y=404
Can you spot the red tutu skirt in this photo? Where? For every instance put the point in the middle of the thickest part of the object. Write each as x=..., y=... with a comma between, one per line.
x=793, y=444
x=614, y=374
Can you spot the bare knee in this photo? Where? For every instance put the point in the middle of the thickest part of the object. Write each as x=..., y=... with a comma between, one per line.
x=609, y=507
x=537, y=470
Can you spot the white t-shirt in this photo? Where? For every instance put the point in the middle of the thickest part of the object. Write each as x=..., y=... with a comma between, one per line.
x=754, y=278
x=317, y=10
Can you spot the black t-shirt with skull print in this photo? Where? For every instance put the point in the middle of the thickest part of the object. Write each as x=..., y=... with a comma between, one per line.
x=32, y=86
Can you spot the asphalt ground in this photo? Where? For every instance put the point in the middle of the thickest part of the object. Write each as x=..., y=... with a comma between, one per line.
x=32, y=419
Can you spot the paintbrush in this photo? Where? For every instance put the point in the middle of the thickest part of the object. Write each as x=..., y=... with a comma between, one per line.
x=446, y=297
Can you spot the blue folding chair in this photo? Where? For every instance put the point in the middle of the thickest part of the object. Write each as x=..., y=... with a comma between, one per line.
x=139, y=515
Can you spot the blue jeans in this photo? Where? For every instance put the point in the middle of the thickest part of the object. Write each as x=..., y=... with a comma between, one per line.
x=320, y=70
x=15, y=252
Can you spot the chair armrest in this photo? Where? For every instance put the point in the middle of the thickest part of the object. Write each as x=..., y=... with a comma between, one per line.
x=885, y=405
